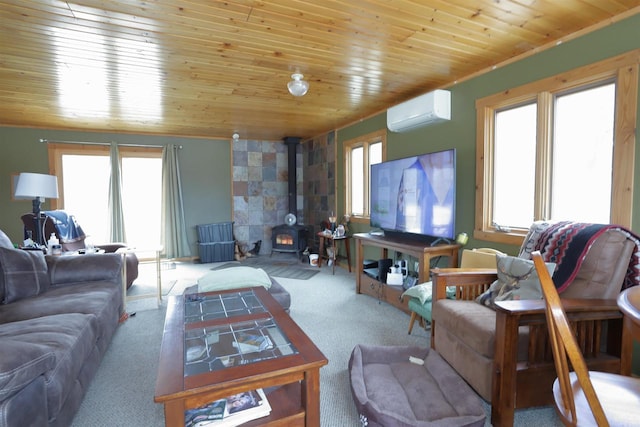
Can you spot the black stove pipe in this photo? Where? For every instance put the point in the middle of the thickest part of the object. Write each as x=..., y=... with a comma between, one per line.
x=292, y=144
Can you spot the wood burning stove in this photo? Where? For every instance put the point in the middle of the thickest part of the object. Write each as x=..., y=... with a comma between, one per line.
x=289, y=238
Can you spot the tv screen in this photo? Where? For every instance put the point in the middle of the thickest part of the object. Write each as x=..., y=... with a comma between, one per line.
x=415, y=195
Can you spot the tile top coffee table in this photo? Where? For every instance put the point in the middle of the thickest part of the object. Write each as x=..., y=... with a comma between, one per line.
x=217, y=344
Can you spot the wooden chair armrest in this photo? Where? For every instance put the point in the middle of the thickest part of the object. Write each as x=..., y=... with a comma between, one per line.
x=469, y=282
x=596, y=324
x=574, y=307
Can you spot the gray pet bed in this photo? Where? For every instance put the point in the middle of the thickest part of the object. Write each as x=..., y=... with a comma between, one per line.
x=389, y=390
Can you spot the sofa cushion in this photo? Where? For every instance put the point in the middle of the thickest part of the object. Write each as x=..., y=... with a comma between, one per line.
x=100, y=299
x=233, y=278
x=473, y=324
x=20, y=364
x=69, y=337
x=603, y=270
x=70, y=269
x=517, y=280
x=22, y=274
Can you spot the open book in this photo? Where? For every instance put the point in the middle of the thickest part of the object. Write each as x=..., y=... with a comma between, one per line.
x=231, y=411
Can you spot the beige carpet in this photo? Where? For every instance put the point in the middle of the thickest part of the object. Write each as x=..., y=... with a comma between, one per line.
x=286, y=266
x=326, y=307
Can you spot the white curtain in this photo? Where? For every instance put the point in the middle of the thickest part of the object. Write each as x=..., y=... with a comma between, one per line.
x=173, y=227
x=116, y=214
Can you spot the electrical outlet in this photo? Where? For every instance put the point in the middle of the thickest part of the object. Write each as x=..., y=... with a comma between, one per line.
x=416, y=266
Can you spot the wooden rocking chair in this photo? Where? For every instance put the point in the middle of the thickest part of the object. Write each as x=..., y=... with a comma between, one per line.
x=583, y=397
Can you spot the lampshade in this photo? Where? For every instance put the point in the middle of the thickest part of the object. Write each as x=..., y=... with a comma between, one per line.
x=32, y=185
x=297, y=86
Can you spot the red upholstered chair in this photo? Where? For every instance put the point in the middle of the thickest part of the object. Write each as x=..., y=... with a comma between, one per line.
x=78, y=242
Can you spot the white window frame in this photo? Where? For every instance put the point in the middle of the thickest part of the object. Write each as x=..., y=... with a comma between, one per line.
x=363, y=141
x=623, y=70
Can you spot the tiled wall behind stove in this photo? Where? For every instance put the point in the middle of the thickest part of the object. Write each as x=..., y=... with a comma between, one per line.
x=260, y=190
x=319, y=179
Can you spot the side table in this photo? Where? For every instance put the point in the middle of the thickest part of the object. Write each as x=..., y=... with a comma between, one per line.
x=332, y=242
x=158, y=293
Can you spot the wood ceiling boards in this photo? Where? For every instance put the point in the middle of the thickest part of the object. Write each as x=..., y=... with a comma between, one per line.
x=208, y=68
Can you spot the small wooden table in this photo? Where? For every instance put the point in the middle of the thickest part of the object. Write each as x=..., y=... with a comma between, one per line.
x=158, y=294
x=629, y=304
x=332, y=241
x=288, y=371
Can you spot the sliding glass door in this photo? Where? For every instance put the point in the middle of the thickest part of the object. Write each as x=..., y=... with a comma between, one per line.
x=84, y=171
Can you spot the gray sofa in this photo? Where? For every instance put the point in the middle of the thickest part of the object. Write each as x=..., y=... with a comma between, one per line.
x=57, y=318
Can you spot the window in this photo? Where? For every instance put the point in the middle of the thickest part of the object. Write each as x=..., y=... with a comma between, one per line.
x=360, y=154
x=84, y=172
x=557, y=149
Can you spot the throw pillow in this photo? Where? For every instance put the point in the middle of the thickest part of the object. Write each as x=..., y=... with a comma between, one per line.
x=233, y=278
x=22, y=274
x=517, y=280
x=424, y=291
x=5, y=241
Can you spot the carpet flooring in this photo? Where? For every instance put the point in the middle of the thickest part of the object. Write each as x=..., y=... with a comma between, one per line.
x=146, y=283
x=326, y=307
x=279, y=265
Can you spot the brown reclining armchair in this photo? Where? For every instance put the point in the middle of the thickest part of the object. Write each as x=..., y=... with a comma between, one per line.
x=504, y=354
x=78, y=242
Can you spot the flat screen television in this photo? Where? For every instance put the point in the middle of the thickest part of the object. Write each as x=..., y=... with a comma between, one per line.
x=415, y=197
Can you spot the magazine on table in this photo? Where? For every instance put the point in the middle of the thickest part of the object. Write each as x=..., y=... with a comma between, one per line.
x=211, y=411
x=230, y=411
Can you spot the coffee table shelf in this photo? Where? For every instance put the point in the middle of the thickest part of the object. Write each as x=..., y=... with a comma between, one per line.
x=200, y=360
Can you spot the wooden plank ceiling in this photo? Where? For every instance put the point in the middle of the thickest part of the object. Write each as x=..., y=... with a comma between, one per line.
x=210, y=68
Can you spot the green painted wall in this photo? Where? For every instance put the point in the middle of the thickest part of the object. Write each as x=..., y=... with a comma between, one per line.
x=460, y=133
x=206, y=163
x=205, y=171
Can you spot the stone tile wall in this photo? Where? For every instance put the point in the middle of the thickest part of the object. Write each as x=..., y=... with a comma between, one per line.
x=319, y=180
x=260, y=190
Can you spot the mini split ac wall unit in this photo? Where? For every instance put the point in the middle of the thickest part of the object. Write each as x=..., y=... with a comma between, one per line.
x=423, y=110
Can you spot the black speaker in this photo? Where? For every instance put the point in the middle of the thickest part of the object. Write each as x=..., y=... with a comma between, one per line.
x=383, y=268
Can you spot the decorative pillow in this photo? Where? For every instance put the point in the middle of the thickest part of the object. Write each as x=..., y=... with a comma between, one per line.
x=423, y=292
x=22, y=274
x=5, y=241
x=517, y=280
x=233, y=278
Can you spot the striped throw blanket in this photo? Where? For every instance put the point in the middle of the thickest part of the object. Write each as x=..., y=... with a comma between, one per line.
x=566, y=243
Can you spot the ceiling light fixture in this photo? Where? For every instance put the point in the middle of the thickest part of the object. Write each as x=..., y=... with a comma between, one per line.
x=297, y=86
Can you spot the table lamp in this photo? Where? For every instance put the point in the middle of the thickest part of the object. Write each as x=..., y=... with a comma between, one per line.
x=39, y=186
